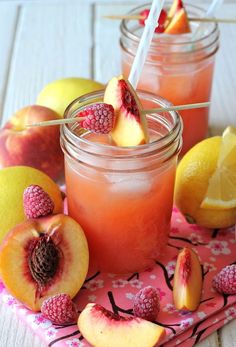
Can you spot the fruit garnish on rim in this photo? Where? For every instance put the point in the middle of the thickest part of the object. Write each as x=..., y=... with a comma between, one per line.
x=178, y=22
x=221, y=191
x=130, y=126
x=161, y=21
x=98, y=118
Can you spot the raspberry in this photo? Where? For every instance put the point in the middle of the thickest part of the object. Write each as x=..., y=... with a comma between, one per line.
x=37, y=202
x=147, y=303
x=161, y=21
x=59, y=309
x=225, y=281
x=99, y=118
x=144, y=14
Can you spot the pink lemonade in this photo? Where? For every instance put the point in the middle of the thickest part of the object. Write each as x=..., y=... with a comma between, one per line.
x=123, y=197
x=177, y=69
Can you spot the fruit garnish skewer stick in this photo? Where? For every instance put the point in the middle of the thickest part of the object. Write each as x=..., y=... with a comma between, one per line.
x=148, y=111
x=177, y=107
x=57, y=122
x=191, y=19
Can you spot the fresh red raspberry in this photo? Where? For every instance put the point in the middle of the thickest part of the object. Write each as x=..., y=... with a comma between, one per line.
x=100, y=118
x=225, y=281
x=147, y=303
x=161, y=22
x=37, y=203
x=59, y=309
x=144, y=14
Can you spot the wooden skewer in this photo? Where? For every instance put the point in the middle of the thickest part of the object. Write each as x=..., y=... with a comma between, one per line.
x=56, y=122
x=177, y=108
x=152, y=110
x=191, y=19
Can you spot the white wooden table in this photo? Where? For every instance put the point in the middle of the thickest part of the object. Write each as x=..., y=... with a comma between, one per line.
x=41, y=41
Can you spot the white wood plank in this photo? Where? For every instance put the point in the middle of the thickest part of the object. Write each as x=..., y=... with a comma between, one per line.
x=210, y=341
x=8, y=21
x=13, y=333
x=51, y=42
x=228, y=335
x=223, y=96
x=107, y=51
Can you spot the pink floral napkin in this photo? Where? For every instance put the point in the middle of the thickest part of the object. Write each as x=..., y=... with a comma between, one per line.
x=216, y=249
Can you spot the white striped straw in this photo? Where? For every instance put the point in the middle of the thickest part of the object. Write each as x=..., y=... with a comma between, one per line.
x=145, y=42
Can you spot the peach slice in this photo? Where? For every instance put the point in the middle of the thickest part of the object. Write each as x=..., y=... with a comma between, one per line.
x=43, y=257
x=175, y=7
x=187, y=281
x=102, y=328
x=130, y=126
x=178, y=23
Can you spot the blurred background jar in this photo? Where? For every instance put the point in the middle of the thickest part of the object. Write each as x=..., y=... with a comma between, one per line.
x=178, y=67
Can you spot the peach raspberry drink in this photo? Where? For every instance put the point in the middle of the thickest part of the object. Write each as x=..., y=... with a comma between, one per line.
x=122, y=196
x=176, y=69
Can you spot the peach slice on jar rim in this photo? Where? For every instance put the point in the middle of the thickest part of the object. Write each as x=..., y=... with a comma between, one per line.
x=103, y=328
x=187, y=287
x=130, y=127
x=178, y=23
x=176, y=6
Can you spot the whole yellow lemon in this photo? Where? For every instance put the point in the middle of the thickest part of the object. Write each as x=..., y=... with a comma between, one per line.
x=13, y=181
x=192, y=178
x=59, y=94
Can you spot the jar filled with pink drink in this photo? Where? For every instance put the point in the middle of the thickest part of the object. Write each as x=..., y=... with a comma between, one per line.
x=122, y=196
x=179, y=67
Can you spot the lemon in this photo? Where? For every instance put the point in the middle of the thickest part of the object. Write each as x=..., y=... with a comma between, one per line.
x=58, y=94
x=13, y=181
x=221, y=192
x=193, y=177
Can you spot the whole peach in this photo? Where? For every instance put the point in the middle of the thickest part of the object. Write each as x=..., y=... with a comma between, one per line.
x=38, y=147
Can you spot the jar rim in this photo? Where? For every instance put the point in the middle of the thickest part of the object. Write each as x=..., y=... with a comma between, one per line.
x=161, y=145
x=163, y=45
x=124, y=29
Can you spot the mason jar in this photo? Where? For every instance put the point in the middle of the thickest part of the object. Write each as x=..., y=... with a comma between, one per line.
x=178, y=67
x=122, y=196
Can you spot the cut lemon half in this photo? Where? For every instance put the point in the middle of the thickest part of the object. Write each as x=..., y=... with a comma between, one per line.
x=221, y=191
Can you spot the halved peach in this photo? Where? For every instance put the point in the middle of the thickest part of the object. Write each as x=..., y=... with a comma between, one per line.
x=187, y=287
x=43, y=257
x=130, y=126
x=102, y=328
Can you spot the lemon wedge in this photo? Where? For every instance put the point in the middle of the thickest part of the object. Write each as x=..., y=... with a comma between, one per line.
x=221, y=191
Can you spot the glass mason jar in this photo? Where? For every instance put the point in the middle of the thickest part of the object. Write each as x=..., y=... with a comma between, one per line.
x=178, y=68
x=122, y=196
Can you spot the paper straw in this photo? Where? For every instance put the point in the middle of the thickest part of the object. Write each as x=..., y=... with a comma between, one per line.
x=145, y=42
x=209, y=13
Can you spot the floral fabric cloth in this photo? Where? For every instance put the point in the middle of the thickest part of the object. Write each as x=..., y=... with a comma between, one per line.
x=215, y=248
